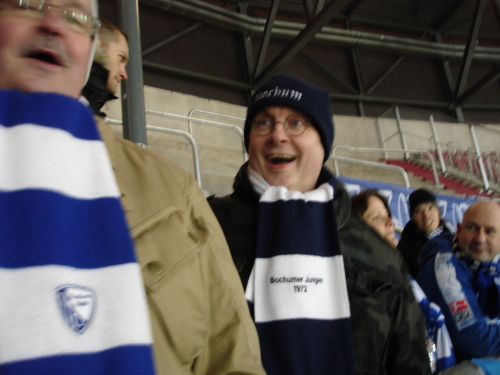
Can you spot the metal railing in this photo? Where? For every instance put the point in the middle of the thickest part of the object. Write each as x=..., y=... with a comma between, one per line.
x=419, y=130
x=417, y=139
x=189, y=119
x=386, y=151
x=182, y=133
x=373, y=164
x=219, y=124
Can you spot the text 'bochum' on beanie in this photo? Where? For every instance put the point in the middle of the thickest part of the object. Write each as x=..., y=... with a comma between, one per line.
x=419, y=196
x=287, y=90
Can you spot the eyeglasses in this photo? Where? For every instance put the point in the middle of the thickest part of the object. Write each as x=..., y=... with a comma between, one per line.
x=295, y=124
x=75, y=19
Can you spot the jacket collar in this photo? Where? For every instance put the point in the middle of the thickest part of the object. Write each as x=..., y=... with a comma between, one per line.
x=95, y=90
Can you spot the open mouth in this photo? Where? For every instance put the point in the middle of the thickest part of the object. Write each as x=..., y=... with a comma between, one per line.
x=45, y=56
x=281, y=159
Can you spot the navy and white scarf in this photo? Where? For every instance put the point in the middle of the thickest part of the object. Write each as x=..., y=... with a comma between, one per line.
x=71, y=292
x=297, y=290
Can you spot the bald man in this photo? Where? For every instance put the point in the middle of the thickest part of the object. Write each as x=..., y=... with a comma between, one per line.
x=462, y=275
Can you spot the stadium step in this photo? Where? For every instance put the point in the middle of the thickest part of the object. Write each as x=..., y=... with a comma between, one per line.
x=450, y=183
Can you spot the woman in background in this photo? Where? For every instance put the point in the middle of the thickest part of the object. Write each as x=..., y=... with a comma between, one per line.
x=374, y=209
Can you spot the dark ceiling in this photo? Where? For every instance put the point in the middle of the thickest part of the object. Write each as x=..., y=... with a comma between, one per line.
x=436, y=55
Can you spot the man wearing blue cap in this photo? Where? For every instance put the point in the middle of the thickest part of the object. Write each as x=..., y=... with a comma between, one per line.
x=425, y=223
x=286, y=223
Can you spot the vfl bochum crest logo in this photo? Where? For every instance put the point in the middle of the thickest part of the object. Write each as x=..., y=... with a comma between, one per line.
x=77, y=304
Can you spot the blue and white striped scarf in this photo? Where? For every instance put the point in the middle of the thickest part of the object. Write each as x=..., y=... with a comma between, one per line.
x=297, y=290
x=486, y=283
x=436, y=328
x=72, y=298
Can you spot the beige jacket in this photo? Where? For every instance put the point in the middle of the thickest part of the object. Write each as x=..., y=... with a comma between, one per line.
x=200, y=319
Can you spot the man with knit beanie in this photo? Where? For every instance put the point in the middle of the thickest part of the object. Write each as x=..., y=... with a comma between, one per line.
x=299, y=252
x=425, y=223
x=111, y=260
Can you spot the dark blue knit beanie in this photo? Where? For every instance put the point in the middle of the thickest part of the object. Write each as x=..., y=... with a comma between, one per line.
x=287, y=90
x=420, y=196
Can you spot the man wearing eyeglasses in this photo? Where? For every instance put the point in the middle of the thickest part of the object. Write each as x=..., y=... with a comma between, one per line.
x=45, y=47
x=290, y=232
x=108, y=252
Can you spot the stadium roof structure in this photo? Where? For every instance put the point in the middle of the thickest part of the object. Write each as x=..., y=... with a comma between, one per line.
x=442, y=56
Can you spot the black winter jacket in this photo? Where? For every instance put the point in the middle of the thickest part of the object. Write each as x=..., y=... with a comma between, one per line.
x=387, y=323
x=411, y=244
x=95, y=90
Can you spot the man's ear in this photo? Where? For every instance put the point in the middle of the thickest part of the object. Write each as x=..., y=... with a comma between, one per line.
x=459, y=228
x=101, y=56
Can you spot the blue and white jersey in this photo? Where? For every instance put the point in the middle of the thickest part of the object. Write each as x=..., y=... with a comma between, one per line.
x=447, y=280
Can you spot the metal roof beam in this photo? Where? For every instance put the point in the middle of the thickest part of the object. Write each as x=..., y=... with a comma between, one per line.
x=352, y=7
x=356, y=73
x=171, y=39
x=449, y=16
x=191, y=75
x=483, y=82
x=304, y=37
x=246, y=46
x=469, y=48
x=337, y=80
x=267, y=36
x=309, y=9
x=447, y=74
x=388, y=71
x=223, y=18
x=319, y=7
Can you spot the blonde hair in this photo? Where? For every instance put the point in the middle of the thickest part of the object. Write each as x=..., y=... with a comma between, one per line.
x=108, y=33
